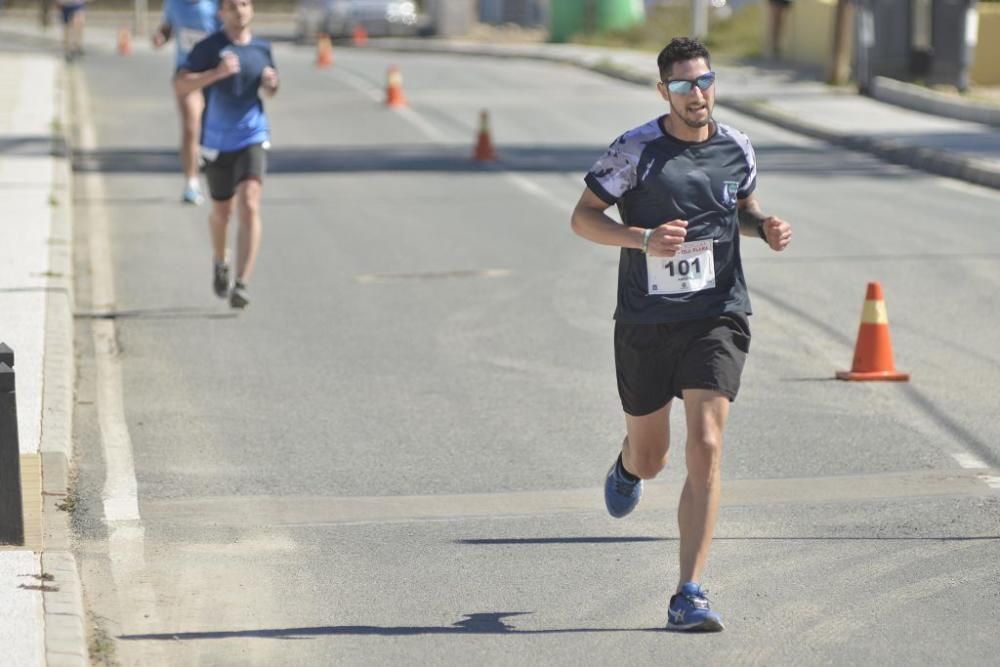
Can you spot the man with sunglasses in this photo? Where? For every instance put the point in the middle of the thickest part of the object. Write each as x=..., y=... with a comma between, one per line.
x=683, y=185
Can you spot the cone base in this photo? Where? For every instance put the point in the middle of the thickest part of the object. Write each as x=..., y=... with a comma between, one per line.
x=885, y=376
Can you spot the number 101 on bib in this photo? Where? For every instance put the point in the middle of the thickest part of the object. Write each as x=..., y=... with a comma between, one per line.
x=690, y=270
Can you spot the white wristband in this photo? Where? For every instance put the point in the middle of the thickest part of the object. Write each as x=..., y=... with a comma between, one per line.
x=646, y=234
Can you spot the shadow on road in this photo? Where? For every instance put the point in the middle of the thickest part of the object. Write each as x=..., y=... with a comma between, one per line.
x=763, y=538
x=473, y=624
x=803, y=161
x=179, y=313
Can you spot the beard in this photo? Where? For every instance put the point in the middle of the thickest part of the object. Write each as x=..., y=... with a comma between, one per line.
x=682, y=114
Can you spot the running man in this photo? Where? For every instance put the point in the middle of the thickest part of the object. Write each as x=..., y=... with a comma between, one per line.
x=684, y=186
x=234, y=66
x=188, y=22
x=73, y=16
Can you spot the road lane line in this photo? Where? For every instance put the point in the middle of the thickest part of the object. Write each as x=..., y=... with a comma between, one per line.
x=377, y=94
x=431, y=132
x=126, y=535
x=120, y=493
x=968, y=461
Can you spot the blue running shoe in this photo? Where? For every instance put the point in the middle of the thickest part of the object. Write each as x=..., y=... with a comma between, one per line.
x=192, y=195
x=689, y=611
x=620, y=494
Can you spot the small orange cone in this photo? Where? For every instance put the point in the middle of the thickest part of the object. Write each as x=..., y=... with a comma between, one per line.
x=124, y=41
x=324, y=51
x=360, y=36
x=873, y=351
x=394, y=96
x=484, y=151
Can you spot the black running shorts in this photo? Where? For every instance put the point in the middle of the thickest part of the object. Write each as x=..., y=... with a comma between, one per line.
x=228, y=170
x=655, y=362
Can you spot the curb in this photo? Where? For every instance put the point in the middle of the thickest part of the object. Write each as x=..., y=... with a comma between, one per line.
x=65, y=617
x=65, y=622
x=939, y=162
x=929, y=101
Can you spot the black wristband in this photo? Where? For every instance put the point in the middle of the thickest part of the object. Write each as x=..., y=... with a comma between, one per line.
x=760, y=231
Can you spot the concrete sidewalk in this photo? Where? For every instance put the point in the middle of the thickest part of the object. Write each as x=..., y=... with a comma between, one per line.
x=41, y=611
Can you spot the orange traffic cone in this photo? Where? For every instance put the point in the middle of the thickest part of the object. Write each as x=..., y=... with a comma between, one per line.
x=484, y=151
x=324, y=51
x=873, y=351
x=360, y=36
x=124, y=41
x=394, y=96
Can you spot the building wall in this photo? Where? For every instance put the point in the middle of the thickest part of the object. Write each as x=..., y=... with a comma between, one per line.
x=808, y=38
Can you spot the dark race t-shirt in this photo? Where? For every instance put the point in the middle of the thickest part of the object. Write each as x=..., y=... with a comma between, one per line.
x=234, y=113
x=653, y=178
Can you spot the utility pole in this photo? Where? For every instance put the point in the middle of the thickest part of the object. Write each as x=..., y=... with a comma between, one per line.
x=840, y=60
x=699, y=19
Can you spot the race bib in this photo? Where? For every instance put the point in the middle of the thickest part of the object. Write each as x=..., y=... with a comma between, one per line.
x=187, y=38
x=690, y=270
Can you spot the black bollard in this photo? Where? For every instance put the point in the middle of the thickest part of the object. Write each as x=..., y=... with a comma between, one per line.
x=11, y=509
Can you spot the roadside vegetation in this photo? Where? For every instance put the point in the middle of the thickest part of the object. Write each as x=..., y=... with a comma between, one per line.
x=731, y=37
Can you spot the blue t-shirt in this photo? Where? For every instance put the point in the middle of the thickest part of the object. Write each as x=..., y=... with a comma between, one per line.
x=191, y=22
x=234, y=113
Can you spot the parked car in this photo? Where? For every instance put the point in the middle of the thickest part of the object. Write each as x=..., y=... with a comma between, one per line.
x=338, y=18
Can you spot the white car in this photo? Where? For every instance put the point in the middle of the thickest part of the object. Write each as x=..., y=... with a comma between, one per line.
x=338, y=18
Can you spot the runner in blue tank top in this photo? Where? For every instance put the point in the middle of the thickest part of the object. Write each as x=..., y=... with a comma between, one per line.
x=684, y=186
x=233, y=67
x=188, y=22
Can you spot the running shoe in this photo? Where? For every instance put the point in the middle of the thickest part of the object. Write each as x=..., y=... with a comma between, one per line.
x=220, y=279
x=192, y=195
x=621, y=495
x=689, y=611
x=238, y=297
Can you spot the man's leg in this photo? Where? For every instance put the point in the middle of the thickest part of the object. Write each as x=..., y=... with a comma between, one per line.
x=644, y=450
x=248, y=239
x=706, y=412
x=191, y=107
x=77, y=31
x=218, y=222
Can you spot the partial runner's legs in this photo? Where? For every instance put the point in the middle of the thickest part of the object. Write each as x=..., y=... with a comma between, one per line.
x=248, y=240
x=73, y=21
x=191, y=107
x=644, y=451
x=218, y=224
x=706, y=412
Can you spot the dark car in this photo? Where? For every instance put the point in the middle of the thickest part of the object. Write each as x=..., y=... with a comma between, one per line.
x=339, y=18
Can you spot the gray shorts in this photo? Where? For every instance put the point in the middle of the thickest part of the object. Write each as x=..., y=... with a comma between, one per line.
x=228, y=170
x=655, y=362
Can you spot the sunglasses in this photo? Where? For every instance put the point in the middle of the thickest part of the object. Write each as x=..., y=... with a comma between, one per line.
x=685, y=86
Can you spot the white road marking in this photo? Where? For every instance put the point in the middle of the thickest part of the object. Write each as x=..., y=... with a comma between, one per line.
x=993, y=481
x=377, y=94
x=120, y=488
x=126, y=535
x=532, y=188
x=969, y=461
x=434, y=134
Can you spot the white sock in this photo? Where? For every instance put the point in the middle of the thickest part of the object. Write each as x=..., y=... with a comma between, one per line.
x=193, y=184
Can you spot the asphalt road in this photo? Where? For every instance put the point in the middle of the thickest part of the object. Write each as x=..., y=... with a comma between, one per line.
x=394, y=455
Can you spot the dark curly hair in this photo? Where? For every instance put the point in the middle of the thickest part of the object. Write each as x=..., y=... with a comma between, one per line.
x=678, y=50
